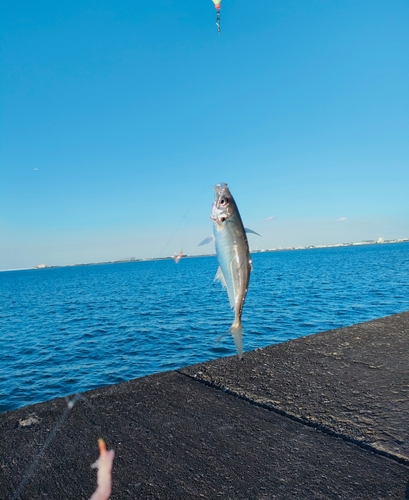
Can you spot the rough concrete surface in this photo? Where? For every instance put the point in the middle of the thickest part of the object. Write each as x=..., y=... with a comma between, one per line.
x=352, y=381
x=180, y=437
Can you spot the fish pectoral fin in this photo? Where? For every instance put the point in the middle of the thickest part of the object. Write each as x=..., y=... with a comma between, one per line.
x=207, y=240
x=251, y=231
x=220, y=277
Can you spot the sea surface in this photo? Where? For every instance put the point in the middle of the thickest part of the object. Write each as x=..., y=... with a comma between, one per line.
x=67, y=330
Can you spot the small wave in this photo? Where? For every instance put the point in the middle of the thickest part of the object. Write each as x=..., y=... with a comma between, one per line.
x=148, y=318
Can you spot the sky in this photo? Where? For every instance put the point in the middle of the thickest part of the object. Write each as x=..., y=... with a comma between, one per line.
x=117, y=118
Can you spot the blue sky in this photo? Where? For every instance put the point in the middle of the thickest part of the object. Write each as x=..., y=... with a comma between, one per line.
x=117, y=118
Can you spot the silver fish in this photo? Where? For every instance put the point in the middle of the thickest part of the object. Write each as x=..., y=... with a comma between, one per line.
x=233, y=255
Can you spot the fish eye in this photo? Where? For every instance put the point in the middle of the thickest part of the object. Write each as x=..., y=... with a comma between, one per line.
x=224, y=202
x=222, y=219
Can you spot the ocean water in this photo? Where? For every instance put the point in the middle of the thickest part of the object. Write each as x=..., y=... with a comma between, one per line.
x=67, y=330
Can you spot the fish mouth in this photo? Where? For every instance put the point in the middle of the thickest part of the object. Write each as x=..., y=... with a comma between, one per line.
x=219, y=188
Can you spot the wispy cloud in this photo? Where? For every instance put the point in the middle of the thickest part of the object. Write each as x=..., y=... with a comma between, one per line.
x=341, y=219
x=269, y=218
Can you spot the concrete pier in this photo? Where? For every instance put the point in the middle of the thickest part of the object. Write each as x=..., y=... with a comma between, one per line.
x=322, y=417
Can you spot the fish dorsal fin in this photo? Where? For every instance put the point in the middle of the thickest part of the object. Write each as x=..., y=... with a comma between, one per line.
x=251, y=231
x=220, y=277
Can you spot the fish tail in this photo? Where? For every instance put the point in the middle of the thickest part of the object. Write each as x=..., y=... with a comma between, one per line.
x=221, y=337
x=237, y=331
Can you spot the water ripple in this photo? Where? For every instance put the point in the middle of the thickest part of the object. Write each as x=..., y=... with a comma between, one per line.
x=72, y=329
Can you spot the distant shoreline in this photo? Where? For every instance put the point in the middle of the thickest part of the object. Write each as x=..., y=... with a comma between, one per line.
x=267, y=250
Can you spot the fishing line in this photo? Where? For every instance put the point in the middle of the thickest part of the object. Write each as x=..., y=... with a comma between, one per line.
x=173, y=234
x=184, y=231
x=183, y=221
x=71, y=403
x=48, y=441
